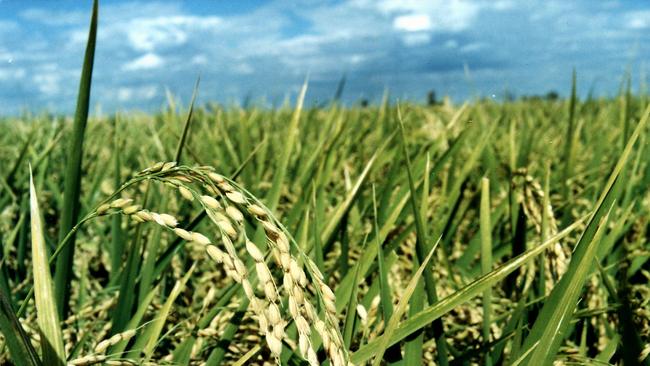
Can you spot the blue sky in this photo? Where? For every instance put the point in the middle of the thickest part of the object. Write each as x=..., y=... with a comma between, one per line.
x=264, y=49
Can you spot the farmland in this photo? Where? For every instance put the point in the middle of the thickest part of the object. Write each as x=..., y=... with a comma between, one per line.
x=482, y=233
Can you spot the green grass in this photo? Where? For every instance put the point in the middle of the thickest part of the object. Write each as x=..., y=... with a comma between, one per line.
x=427, y=183
x=511, y=233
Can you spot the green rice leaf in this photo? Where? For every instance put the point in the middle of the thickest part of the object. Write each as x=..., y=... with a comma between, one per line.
x=47, y=315
x=72, y=190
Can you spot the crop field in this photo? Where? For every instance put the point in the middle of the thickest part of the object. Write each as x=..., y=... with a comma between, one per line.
x=484, y=233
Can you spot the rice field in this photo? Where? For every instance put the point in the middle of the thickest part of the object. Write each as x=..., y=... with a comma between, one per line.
x=484, y=233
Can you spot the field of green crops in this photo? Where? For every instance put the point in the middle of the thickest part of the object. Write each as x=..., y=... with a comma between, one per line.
x=487, y=233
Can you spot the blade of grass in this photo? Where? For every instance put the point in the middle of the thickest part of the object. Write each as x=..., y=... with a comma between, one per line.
x=245, y=358
x=127, y=295
x=401, y=308
x=186, y=126
x=413, y=347
x=148, y=266
x=72, y=179
x=486, y=260
x=283, y=163
x=350, y=318
x=20, y=348
x=119, y=347
x=151, y=335
x=421, y=248
x=117, y=234
x=563, y=305
x=461, y=296
x=385, y=291
x=567, y=172
x=47, y=315
x=335, y=218
x=393, y=354
x=219, y=352
x=561, y=301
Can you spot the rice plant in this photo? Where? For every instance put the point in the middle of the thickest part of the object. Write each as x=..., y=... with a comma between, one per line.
x=491, y=233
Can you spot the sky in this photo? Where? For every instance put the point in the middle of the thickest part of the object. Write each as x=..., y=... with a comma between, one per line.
x=263, y=50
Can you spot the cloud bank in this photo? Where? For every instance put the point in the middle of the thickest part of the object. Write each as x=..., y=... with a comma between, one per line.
x=463, y=48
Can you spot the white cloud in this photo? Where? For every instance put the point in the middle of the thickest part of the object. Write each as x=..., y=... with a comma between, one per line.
x=473, y=47
x=144, y=62
x=416, y=39
x=12, y=74
x=356, y=59
x=452, y=43
x=8, y=26
x=147, y=34
x=243, y=69
x=55, y=18
x=412, y=22
x=379, y=43
x=502, y=5
x=444, y=15
x=146, y=92
x=48, y=83
x=199, y=60
x=638, y=19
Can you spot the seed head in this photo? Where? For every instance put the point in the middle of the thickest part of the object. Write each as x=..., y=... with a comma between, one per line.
x=363, y=314
x=270, y=292
x=287, y=282
x=285, y=260
x=130, y=210
x=298, y=294
x=121, y=202
x=236, y=197
x=169, y=220
x=282, y=242
x=293, y=307
x=156, y=167
x=215, y=253
x=103, y=208
x=256, y=210
x=240, y=267
x=330, y=306
x=234, y=214
x=199, y=238
x=263, y=272
x=254, y=251
x=273, y=314
x=263, y=321
x=144, y=215
x=183, y=234
x=312, y=358
x=248, y=289
x=168, y=165
x=278, y=330
x=295, y=270
x=310, y=312
x=87, y=360
x=227, y=228
x=210, y=202
x=302, y=325
x=327, y=292
x=225, y=186
x=185, y=193
x=271, y=230
x=217, y=178
x=303, y=344
x=275, y=345
x=183, y=178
